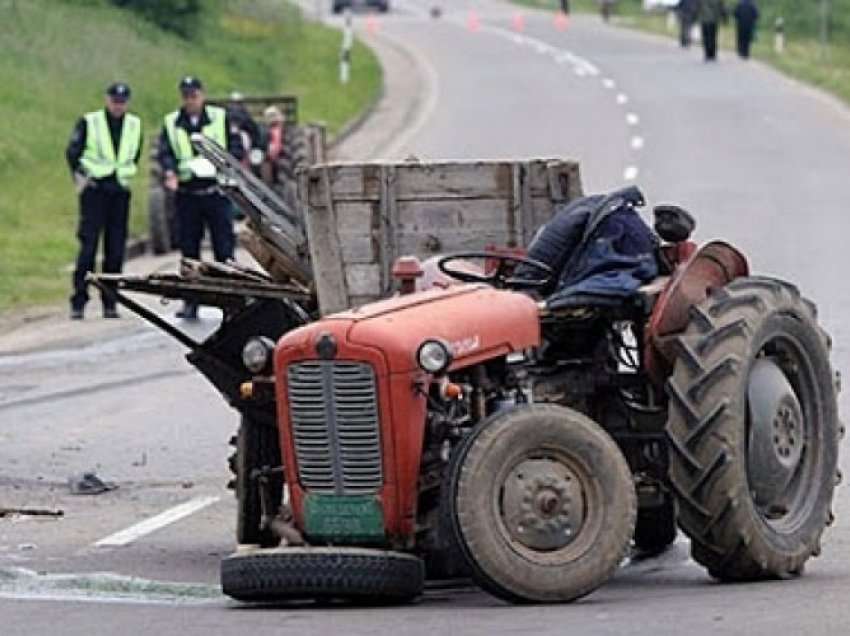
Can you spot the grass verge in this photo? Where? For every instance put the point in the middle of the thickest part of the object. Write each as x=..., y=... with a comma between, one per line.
x=59, y=55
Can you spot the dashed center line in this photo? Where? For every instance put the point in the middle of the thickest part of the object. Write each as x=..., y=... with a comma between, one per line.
x=637, y=142
x=167, y=517
x=630, y=173
x=632, y=119
x=622, y=98
x=609, y=83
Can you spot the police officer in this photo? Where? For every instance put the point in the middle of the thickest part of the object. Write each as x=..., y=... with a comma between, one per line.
x=103, y=154
x=199, y=203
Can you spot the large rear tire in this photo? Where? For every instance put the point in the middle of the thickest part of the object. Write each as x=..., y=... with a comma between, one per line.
x=754, y=431
x=350, y=574
x=544, y=504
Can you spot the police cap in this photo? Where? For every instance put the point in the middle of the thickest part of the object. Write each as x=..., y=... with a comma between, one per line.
x=118, y=91
x=190, y=84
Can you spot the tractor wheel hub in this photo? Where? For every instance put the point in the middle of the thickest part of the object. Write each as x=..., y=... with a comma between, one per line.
x=776, y=434
x=542, y=504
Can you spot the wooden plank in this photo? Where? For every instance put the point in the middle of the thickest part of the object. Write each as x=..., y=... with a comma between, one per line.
x=386, y=227
x=363, y=280
x=325, y=249
x=447, y=180
x=357, y=248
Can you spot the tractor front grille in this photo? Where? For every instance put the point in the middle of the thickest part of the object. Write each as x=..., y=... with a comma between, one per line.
x=333, y=408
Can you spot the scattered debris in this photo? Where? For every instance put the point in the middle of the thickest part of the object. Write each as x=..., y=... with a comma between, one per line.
x=143, y=461
x=26, y=547
x=88, y=484
x=30, y=512
x=187, y=484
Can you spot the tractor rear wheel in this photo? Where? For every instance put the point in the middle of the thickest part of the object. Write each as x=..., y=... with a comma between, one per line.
x=753, y=427
x=544, y=504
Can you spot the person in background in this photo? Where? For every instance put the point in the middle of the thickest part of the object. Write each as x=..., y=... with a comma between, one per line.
x=686, y=11
x=275, y=124
x=103, y=155
x=746, y=16
x=199, y=202
x=240, y=118
x=710, y=14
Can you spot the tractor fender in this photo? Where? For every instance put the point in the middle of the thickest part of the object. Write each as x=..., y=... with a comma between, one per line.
x=714, y=265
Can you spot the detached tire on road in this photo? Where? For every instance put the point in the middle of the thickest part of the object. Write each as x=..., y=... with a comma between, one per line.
x=754, y=431
x=544, y=504
x=350, y=574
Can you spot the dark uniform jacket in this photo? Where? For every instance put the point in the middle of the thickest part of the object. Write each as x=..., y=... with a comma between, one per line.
x=168, y=161
x=77, y=145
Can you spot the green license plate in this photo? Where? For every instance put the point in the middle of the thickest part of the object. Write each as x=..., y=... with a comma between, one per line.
x=344, y=519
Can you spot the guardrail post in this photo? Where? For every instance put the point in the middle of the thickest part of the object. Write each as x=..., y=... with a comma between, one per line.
x=345, y=55
x=779, y=36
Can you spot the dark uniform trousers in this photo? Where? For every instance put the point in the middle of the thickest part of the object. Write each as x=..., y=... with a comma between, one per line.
x=102, y=211
x=198, y=210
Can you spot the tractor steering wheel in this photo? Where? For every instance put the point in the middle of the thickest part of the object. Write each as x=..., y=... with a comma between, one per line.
x=499, y=278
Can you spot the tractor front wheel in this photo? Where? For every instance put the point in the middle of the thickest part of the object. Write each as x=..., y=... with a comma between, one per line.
x=257, y=447
x=543, y=504
x=754, y=431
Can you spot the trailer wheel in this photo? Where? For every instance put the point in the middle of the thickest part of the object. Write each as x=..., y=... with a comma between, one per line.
x=350, y=574
x=544, y=504
x=257, y=446
x=158, y=222
x=754, y=431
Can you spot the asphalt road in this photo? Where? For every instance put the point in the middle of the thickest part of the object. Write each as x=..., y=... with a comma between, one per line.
x=758, y=159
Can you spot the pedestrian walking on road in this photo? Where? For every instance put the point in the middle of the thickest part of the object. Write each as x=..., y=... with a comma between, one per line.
x=710, y=14
x=103, y=155
x=199, y=202
x=746, y=16
x=686, y=12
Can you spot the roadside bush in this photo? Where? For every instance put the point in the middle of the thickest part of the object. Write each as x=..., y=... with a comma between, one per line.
x=177, y=16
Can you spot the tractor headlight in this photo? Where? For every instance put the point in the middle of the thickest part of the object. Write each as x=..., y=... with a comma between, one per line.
x=257, y=355
x=434, y=356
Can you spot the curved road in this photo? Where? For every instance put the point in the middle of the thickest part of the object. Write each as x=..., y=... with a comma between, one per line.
x=760, y=160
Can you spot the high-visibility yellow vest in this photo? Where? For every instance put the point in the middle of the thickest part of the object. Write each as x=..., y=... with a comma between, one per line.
x=99, y=158
x=181, y=145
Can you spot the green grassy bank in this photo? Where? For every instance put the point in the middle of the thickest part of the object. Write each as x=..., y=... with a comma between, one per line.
x=806, y=57
x=59, y=55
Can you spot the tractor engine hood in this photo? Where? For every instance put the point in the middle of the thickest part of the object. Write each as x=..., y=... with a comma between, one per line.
x=477, y=322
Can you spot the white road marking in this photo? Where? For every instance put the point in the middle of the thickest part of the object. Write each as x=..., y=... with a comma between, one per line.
x=128, y=535
x=609, y=83
x=622, y=98
x=637, y=142
x=630, y=173
x=632, y=119
x=518, y=39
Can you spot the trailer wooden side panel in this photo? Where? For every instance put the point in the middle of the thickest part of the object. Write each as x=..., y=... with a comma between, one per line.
x=361, y=217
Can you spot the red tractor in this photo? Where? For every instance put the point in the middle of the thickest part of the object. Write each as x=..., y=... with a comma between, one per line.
x=493, y=427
